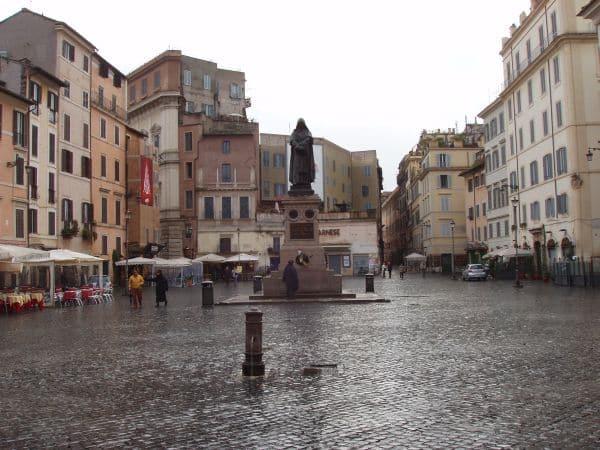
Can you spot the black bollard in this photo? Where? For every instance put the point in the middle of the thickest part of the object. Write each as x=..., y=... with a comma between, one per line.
x=257, y=283
x=253, y=366
x=369, y=282
x=207, y=293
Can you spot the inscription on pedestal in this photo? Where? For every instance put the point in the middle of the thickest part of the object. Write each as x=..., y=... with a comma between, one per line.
x=302, y=231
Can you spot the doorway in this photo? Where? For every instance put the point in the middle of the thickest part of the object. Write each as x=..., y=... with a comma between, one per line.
x=335, y=263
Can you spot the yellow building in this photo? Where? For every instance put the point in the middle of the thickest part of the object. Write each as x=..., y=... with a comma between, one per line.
x=103, y=221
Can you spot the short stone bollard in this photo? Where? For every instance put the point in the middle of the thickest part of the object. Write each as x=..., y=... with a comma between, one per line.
x=207, y=293
x=257, y=287
x=369, y=282
x=253, y=365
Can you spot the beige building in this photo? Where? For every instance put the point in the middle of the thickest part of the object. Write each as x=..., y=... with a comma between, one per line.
x=551, y=66
x=442, y=205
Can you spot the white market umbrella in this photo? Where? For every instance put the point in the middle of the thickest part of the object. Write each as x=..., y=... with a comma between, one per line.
x=15, y=253
x=415, y=257
x=138, y=261
x=512, y=252
x=175, y=262
x=241, y=257
x=210, y=258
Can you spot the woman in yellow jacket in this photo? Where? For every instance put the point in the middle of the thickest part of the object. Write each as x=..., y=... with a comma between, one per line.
x=136, y=282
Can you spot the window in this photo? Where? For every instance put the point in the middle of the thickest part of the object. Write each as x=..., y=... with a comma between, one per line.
x=498, y=229
x=103, y=165
x=444, y=182
x=67, y=89
x=543, y=81
x=523, y=213
x=113, y=103
x=532, y=131
x=67, y=128
x=541, y=37
x=208, y=110
x=508, y=74
x=485, y=234
x=225, y=245
x=545, y=123
x=117, y=135
x=86, y=136
x=553, y=24
x=235, y=90
x=33, y=188
x=495, y=160
x=445, y=228
x=189, y=199
x=144, y=89
x=477, y=210
x=67, y=210
x=559, y=117
x=518, y=62
x=188, y=141
x=533, y=172
x=521, y=144
x=189, y=170
x=547, y=166
x=209, y=209
x=104, y=212
x=103, y=128
x=556, y=67
x=118, y=243
x=51, y=148
x=51, y=188
x=561, y=204
x=266, y=189
x=530, y=91
x=34, y=141
x=522, y=177
x=510, y=110
x=443, y=160
x=157, y=79
x=101, y=96
x=206, y=81
x=501, y=122
x=32, y=222
x=367, y=171
x=226, y=147
x=518, y=101
x=187, y=77
x=103, y=69
x=445, y=204
x=19, y=223
x=276, y=244
x=226, y=173
x=244, y=208
x=104, y=244
x=51, y=223
x=66, y=162
x=561, y=161
x=278, y=160
x=365, y=190
x=470, y=185
x=35, y=94
x=190, y=107
x=86, y=63
x=226, y=208
x=266, y=158
x=535, y=211
x=86, y=99
x=279, y=189
x=511, y=141
x=549, y=208
x=52, y=107
x=68, y=51
x=503, y=155
x=528, y=49
x=117, y=171
x=86, y=167
x=19, y=129
x=132, y=94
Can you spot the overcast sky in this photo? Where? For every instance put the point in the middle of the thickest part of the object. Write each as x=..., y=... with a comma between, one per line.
x=363, y=74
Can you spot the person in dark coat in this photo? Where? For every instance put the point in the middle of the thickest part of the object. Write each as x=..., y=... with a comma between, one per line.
x=290, y=278
x=161, y=287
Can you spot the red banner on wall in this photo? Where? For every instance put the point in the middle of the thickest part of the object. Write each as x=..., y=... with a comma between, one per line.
x=146, y=184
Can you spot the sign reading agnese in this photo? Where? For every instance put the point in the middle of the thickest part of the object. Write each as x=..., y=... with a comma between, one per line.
x=329, y=232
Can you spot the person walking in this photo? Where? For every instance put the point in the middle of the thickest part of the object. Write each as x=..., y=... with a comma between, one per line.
x=161, y=287
x=136, y=281
x=290, y=278
x=389, y=268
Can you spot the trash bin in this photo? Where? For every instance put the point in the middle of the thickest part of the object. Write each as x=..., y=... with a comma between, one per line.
x=369, y=282
x=257, y=283
x=207, y=293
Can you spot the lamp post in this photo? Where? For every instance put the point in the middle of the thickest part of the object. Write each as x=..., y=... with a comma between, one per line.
x=127, y=217
x=452, y=225
x=239, y=253
x=515, y=203
x=589, y=155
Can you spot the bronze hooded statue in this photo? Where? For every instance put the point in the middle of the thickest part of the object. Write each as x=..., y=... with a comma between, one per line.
x=302, y=161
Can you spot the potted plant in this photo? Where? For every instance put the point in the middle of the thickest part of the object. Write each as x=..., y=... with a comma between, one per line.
x=70, y=229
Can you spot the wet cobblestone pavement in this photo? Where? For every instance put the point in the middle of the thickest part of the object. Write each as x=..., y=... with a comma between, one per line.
x=446, y=364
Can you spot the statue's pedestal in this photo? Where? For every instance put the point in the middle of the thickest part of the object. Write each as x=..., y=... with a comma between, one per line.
x=302, y=235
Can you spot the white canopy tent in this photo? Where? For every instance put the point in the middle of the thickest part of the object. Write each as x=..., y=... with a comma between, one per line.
x=241, y=257
x=210, y=258
x=415, y=257
x=138, y=261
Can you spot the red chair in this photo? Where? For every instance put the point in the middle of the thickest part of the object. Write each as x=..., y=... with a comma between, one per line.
x=70, y=297
x=87, y=296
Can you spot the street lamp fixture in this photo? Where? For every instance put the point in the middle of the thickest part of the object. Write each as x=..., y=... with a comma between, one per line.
x=589, y=155
x=452, y=225
x=515, y=202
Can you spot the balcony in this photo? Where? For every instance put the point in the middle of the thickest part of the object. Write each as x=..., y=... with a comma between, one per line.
x=108, y=106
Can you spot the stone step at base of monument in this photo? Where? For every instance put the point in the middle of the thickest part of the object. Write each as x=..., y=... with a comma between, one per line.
x=308, y=295
x=340, y=300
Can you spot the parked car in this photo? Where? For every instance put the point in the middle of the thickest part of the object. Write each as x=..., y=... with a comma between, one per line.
x=474, y=272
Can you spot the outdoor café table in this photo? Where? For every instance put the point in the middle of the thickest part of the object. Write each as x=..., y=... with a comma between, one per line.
x=17, y=299
x=38, y=298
